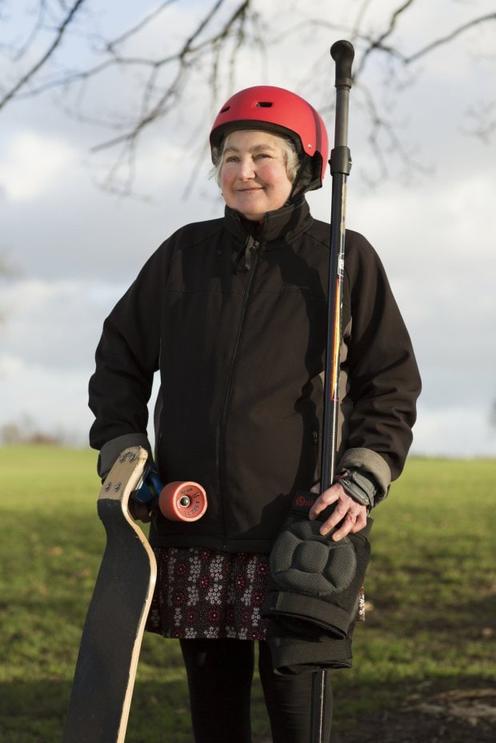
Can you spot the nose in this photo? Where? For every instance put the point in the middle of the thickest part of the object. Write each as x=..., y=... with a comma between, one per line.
x=246, y=168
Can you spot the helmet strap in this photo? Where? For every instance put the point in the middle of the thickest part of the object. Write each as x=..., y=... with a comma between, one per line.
x=306, y=179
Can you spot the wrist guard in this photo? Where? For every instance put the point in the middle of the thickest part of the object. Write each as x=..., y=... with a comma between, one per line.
x=358, y=485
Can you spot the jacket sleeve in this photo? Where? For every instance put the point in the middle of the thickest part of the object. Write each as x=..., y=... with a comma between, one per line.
x=384, y=380
x=127, y=357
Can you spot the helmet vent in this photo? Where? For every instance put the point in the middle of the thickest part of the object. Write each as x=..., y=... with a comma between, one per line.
x=264, y=104
x=223, y=110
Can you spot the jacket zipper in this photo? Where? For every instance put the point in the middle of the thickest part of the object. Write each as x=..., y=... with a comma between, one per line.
x=252, y=249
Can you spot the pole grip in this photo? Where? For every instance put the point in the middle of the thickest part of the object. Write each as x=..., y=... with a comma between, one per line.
x=343, y=54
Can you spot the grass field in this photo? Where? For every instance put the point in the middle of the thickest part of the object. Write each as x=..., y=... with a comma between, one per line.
x=425, y=660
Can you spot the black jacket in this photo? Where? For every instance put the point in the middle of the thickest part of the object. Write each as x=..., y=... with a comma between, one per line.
x=235, y=321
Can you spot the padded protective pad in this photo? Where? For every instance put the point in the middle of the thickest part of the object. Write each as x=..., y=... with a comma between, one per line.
x=305, y=561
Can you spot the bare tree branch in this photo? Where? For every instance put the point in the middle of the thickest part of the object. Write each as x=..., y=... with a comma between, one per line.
x=298, y=28
x=213, y=49
x=355, y=31
x=35, y=68
x=33, y=33
x=409, y=59
x=110, y=45
x=162, y=106
x=381, y=127
x=116, y=59
x=378, y=42
x=449, y=37
x=484, y=117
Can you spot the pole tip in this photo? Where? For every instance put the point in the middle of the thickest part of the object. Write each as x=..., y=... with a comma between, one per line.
x=343, y=53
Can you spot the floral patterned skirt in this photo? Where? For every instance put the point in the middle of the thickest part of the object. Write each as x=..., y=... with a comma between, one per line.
x=202, y=593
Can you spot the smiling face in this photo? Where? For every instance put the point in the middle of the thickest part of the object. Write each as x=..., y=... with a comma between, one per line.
x=253, y=173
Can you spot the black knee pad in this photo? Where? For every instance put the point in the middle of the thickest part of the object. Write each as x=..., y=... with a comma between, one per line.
x=315, y=584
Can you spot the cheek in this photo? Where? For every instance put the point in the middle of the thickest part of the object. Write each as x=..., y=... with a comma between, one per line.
x=226, y=177
x=275, y=174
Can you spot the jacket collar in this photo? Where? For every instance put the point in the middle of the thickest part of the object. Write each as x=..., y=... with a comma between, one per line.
x=286, y=223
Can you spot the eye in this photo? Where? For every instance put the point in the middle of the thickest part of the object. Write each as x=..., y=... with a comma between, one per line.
x=231, y=159
x=262, y=155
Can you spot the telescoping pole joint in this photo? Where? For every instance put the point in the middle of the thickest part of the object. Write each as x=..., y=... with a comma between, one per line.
x=340, y=160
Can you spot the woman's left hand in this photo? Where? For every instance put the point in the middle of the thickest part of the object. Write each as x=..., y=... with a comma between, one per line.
x=352, y=514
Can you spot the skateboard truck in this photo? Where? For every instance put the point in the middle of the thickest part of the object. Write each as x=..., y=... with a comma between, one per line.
x=177, y=501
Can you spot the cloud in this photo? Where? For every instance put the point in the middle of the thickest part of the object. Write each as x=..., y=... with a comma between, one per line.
x=54, y=400
x=31, y=164
x=49, y=339
x=74, y=229
x=80, y=248
x=55, y=324
x=457, y=431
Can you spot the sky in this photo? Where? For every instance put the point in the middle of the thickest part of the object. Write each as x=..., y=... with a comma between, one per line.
x=73, y=248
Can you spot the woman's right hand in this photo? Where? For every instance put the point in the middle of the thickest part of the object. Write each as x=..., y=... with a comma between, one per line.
x=139, y=511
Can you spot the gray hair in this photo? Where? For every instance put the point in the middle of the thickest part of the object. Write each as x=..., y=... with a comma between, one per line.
x=290, y=155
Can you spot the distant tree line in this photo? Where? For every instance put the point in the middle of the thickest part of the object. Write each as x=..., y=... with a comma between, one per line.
x=27, y=432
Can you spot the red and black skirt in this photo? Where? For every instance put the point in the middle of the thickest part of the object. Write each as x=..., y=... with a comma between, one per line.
x=202, y=593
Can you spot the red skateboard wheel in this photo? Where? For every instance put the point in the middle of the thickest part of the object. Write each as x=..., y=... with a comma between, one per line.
x=183, y=501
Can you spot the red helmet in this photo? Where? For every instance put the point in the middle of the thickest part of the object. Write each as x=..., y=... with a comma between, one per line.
x=279, y=111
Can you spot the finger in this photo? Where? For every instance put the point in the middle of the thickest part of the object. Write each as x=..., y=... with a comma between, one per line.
x=344, y=505
x=323, y=501
x=335, y=518
x=139, y=511
x=345, y=528
x=146, y=517
x=360, y=523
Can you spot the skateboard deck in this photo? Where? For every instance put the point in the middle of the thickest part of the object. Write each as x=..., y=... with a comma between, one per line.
x=113, y=631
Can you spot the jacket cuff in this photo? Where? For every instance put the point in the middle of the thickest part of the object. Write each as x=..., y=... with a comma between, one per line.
x=111, y=450
x=368, y=461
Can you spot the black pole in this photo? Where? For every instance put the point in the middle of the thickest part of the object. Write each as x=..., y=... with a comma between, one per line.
x=342, y=53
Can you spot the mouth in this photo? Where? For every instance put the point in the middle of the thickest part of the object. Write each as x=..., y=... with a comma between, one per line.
x=247, y=190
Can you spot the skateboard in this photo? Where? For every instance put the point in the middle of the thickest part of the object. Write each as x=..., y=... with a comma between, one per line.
x=115, y=622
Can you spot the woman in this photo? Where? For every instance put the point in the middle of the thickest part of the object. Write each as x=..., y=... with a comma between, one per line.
x=232, y=312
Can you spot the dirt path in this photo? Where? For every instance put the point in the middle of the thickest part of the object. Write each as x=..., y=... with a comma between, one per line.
x=457, y=716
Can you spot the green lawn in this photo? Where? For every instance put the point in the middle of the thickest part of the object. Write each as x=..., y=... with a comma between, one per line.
x=431, y=585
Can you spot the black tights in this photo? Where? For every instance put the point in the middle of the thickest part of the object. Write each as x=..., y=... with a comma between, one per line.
x=219, y=677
